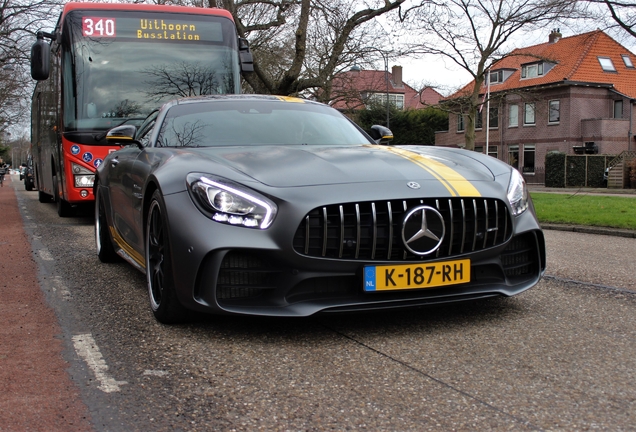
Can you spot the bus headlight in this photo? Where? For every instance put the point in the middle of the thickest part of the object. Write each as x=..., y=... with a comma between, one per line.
x=84, y=178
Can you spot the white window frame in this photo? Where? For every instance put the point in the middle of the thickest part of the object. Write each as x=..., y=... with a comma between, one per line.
x=513, y=108
x=511, y=150
x=607, y=64
x=628, y=61
x=529, y=148
x=618, y=102
x=397, y=100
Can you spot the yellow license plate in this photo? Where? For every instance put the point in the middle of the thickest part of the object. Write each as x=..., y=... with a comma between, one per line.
x=414, y=276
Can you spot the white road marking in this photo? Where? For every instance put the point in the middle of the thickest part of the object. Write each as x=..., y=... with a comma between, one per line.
x=45, y=255
x=58, y=285
x=158, y=373
x=87, y=349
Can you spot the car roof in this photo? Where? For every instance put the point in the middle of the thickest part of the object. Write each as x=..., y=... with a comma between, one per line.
x=240, y=97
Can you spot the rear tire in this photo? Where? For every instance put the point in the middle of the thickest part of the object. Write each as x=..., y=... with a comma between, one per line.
x=43, y=198
x=159, y=275
x=64, y=209
x=105, y=249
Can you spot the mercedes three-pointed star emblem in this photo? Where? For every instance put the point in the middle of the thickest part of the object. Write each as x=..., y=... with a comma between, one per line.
x=423, y=230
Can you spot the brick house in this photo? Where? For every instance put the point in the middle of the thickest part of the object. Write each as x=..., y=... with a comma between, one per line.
x=573, y=95
x=354, y=89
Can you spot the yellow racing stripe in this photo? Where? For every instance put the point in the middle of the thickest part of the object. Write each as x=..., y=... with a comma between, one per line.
x=456, y=184
x=132, y=253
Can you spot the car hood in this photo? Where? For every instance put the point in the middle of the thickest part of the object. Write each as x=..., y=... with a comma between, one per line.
x=288, y=166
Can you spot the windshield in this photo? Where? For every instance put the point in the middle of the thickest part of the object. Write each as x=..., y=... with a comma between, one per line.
x=250, y=122
x=123, y=65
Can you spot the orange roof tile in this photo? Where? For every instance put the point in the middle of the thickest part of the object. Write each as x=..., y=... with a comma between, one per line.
x=577, y=61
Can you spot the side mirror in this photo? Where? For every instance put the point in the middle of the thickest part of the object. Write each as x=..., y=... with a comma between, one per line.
x=123, y=135
x=245, y=56
x=381, y=134
x=40, y=59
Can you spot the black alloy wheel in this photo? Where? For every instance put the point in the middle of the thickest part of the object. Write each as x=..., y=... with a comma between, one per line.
x=161, y=290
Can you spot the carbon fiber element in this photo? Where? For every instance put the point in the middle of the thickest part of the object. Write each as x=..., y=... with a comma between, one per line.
x=372, y=231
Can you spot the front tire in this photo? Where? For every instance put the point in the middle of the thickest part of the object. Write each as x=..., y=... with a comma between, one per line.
x=105, y=250
x=160, y=279
x=64, y=209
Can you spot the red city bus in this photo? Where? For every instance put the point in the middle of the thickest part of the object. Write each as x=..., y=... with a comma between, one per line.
x=109, y=64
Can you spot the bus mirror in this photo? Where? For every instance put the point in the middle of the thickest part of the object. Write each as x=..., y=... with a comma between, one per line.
x=381, y=134
x=122, y=135
x=40, y=60
x=245, y=56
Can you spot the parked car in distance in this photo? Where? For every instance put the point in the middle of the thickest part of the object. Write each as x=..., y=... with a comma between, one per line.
x=29, y=180
x=268, y=205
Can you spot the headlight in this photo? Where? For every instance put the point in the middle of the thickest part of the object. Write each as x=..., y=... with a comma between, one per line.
x=231, y=203
x=84, y=178
x=517, y=193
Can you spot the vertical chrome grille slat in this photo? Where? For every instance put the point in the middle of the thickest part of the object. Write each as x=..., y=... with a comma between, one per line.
x=461, y=251
x=439, y=210
x=494, y=240
x=342, y=231
x=452, y=228
x=325, y=232
x=476, y=226
x=375, y=230
x=390, y=213
x=405, y=206
x=306, y=234
x=485, y=223
x=357, y=230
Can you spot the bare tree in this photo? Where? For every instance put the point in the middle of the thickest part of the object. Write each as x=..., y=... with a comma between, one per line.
x=475, y=34
x=299, y=45
x=19, y=21
x=622, y=12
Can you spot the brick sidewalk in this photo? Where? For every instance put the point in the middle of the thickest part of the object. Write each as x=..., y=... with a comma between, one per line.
x=37, y=393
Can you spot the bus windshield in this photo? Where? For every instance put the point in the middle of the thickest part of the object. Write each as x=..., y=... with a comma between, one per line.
x=120, y=66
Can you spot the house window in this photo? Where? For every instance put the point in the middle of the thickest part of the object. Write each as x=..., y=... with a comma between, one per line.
x=513, y=156
x=479, y=122
x=628, y=61
x=606, y=64
x=528, y=158
x=532, y=70
x=479, y=149
x=554, y=111
x=493, y=121
x=528, y=114
x=397, y=100
x=496, y=77
x=492, y=151
x=513, y=116
x=460, y=122
x=618, y=109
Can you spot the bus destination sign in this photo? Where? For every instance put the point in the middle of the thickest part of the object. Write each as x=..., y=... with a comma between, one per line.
x=150, y=29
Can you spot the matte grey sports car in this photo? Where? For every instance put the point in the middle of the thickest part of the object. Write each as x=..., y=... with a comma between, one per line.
x=270, y=205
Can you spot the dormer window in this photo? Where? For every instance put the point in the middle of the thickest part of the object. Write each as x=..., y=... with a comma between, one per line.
x=606, y=64
x=496, y=77
x=628, y=61
x=534, y=70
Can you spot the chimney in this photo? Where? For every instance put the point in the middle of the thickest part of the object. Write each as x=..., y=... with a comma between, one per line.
x=555, y=36
x=396, y=71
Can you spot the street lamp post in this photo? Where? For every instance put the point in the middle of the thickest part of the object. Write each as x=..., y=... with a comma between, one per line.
x=386, y=79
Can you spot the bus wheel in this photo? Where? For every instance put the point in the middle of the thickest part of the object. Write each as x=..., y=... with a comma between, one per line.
x=105, y=250
x=64, y=209
x=161, y=290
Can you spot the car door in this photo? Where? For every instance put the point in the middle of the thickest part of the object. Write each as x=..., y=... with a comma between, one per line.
x=123, y=187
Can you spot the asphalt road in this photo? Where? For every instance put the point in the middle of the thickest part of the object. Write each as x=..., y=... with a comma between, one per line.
x=561, y=356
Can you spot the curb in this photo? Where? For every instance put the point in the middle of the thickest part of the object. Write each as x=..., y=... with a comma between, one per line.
x=616, y=232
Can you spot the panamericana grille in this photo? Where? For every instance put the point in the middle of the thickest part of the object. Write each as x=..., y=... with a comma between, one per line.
x=373, y=230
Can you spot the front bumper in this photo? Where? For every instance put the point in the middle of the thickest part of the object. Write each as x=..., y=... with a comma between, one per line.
x=234, y=270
